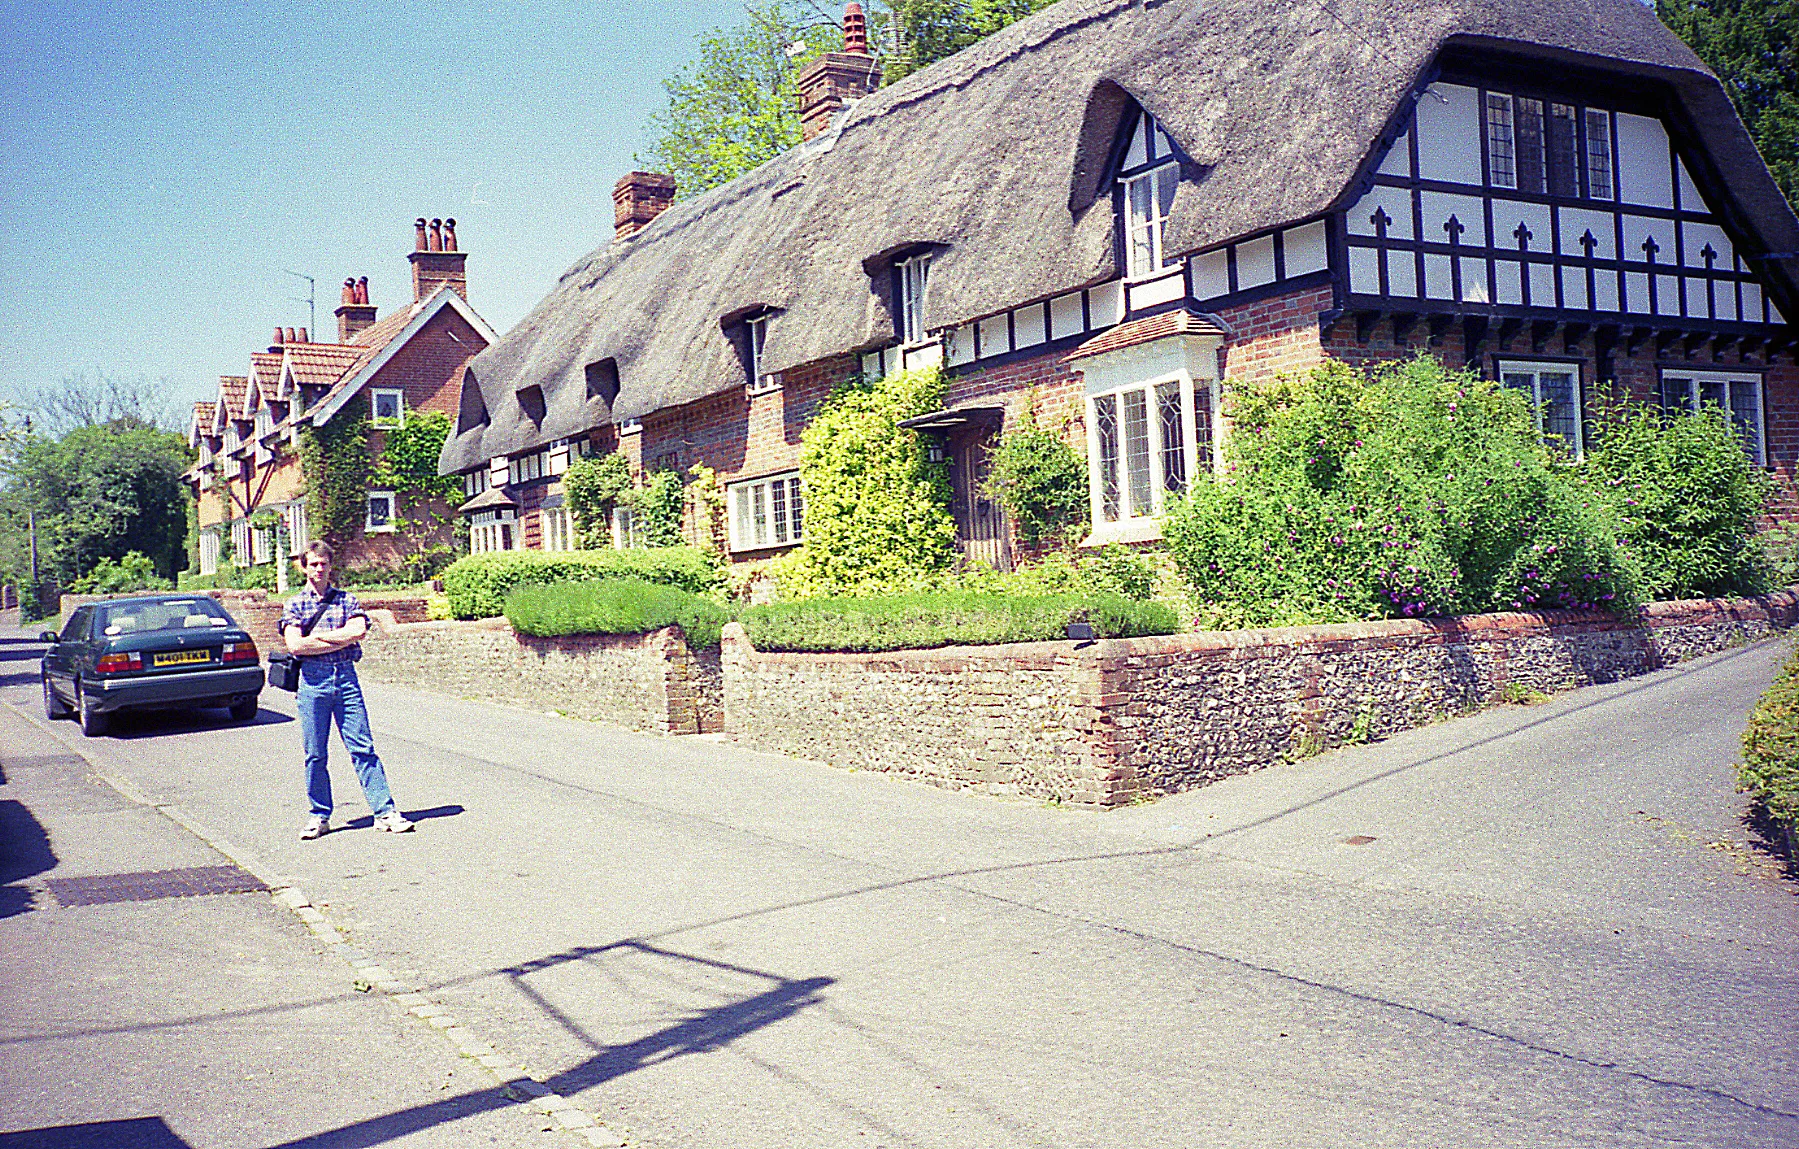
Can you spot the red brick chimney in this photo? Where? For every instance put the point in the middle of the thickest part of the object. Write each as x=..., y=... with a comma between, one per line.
x=838, y=79
x=435, y=261
x=355, y=313
x=638, y=198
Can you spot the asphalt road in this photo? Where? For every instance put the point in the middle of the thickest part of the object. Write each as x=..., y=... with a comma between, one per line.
x=1560, y=933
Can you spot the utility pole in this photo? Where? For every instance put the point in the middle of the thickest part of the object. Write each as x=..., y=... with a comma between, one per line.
x=31, y=521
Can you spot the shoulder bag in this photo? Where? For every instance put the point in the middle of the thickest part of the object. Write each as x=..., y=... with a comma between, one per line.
x=284, y=666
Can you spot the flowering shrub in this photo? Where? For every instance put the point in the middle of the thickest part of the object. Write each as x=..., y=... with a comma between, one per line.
x=1410, y=491
x=1686, y=496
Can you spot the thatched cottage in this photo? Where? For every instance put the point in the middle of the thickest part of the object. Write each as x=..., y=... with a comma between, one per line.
x=1113, y=205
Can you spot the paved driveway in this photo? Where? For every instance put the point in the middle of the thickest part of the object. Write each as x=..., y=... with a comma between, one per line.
x=1559, y=933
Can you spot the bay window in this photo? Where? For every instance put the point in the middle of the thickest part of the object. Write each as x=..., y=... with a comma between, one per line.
x=1146, y=440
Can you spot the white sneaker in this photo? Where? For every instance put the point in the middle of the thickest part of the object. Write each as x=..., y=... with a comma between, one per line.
x=316, y=826
x=393, y=822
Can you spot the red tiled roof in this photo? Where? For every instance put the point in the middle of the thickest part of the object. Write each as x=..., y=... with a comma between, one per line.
x=234, y=388
x=1177, y=322
x=378, y=334
x=265, y=367
x=322, y=364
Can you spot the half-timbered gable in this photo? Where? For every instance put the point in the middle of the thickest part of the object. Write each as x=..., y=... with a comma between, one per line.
x=1112, y=206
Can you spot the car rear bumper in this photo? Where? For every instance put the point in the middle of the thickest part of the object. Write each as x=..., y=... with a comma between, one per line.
x=193, y=686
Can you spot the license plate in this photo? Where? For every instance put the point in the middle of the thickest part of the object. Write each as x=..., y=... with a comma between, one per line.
x=180, y=657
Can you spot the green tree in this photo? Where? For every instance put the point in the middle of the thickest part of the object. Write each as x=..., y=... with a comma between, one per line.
x=930, y=30
x=98, y=492
x=736, y=107
x=1753, y=46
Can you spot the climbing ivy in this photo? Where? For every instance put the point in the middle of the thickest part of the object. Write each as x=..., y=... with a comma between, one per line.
x=708, y=497
x=408, y=460
x=1041, y=481
x=659, y=507
x=877, y=509
x=334, y=459
x=592, y=487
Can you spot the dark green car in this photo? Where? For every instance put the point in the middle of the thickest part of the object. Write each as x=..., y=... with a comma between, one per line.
x=149, y=652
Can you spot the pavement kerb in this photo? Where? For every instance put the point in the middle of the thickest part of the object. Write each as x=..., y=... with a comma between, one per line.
x=508, y=1074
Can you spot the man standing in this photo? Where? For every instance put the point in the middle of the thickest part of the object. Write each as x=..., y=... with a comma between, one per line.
x=328, y=652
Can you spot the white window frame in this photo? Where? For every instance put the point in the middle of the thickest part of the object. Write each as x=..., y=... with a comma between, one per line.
x=527, y=468
x=240, y=543
x=265, y=422
x=493, y=531
x=755, y=337
x=473, y=483
x=914, y=275
x=295, y=514
x=1128, y=524
x=1733, y=382
x=761, y=512
x=209, y=551
x=1152, y=224
x=557, y=529
x=369, y=526
x=625, y=534
x=1536, y=369
x=375, y=396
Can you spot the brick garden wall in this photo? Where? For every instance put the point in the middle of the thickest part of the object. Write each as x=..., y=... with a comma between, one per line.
x=644, y=682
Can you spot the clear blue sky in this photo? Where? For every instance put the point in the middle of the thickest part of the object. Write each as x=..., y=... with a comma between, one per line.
x=162, y=164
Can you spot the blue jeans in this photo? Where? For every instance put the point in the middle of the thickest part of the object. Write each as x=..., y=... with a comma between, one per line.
x=329, y=690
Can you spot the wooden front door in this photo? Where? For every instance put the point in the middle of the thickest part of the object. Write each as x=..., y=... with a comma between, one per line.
x=982, y=534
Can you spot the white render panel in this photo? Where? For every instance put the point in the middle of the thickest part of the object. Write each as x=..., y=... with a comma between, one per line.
x=1106, y=303
x=1402, y=274
x=871, y=366
x=1211, y=275
x=1642, y=161
x=1065, y=317
x=1255, y=263
x=1542, y=285
x=1576, y=221
x=1138, y=152
x=1752, y=303
x=1636, y=286
x=1474, y=279
x=1727, y=301
x=1364, y=271
x=1574, y=288
x=925, y=355
x=1690, y=199
x=1027, y=325
x=1164, y=290
x=958, y=345
x=1398, y=205
x=1398, y=160
x=1667, y=295
x=1508, y=214
x=1697, y=235
x=1448, y=119
x=1437, y=207
x=1605, y=290
x=1510, y=275
x=1305, y=250
x=994, y=338
x=1438, y=280
x=1696, y=304
x=1638, y=229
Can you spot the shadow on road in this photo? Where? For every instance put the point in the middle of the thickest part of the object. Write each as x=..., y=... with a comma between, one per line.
x=24, y=852
x=368, y=820
x=131, y=1133
x=700, y=1031
x=131, y=725
x=20, y=663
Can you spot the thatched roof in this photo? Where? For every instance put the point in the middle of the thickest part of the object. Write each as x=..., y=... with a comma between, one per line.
x=994, y=158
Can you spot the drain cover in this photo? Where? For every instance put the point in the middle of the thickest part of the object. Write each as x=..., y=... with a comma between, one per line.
x=153, y=885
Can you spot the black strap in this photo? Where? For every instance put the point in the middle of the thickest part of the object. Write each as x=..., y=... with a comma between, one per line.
x=330, y=597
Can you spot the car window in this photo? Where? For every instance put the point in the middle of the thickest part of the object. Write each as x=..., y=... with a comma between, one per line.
x=77, y=625
x=162, y=614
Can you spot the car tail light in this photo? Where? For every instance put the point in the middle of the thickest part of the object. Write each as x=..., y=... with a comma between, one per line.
x=239, y=652
x=115, y=663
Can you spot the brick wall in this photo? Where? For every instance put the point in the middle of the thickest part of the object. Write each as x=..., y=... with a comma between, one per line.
x=1157, y=715
x=645, y=682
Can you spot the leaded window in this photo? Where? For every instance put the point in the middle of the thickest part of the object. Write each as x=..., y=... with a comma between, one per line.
x=1146, y=441
x=1554, y=393
x=1739, y=396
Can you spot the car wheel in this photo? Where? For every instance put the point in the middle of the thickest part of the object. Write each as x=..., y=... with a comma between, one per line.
x=54, y=706
x=245, y=710
x=93, y=723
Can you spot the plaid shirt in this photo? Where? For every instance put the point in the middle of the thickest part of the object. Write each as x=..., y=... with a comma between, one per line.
x=338, y=614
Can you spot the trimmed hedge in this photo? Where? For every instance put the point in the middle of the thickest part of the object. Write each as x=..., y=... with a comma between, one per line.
x=930, y=619
x=1770, y=766
x=477, y=585
x=614, y=606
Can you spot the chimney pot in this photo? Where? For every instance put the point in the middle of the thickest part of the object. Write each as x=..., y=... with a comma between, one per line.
x=638, y=198
x=419, y=239
x=355, y=315
x=362, y=290
x=303, y=338
x=278, y=340
x=290, y=336
x=437, y=239
x=855, y=30
x=349, y=292
x=837, y=79
x=437, y=262
x=449, y=235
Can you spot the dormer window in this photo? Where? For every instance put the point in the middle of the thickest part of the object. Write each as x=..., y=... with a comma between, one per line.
x=1546, y=148
x=755, y=334
x=1148, y=173
x=912, y=276
x=264, y=424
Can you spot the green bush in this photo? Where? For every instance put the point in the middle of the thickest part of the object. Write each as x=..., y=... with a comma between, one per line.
x=1410, y=491
x=477, y=585
x=592, y=486
x=1686, y=496
x=1780, y=554
x=240, y=578
x=614, y=606
x=1770, y=766
x=1041, y=481
x=133, y=572
x=660, y=507
x=877, y=509
x=1113, y=569
x=946, y=618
